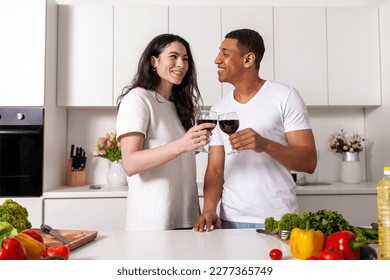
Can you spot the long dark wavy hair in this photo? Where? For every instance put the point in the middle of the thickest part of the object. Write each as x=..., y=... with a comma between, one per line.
x=186, y=96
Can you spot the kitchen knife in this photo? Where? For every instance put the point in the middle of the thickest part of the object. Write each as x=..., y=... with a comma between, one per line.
x=55, y=234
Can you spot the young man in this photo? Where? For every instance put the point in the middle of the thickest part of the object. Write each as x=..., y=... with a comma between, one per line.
x=274, y=137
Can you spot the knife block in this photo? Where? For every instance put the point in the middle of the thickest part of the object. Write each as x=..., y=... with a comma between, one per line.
x=74, y=178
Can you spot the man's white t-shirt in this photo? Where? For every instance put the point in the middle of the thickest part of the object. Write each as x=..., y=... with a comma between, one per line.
x=165, y=197
x=255, y=185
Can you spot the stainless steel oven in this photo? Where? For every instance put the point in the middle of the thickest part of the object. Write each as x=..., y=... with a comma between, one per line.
x=21, y=151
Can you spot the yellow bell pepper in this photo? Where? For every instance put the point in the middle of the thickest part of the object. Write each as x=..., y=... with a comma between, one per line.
x=306, y=243
x=34, y=249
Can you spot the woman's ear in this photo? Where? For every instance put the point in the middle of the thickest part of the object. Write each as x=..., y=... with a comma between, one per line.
x=153, y=61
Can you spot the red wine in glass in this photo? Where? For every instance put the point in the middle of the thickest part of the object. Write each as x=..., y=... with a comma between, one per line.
x=206, y=116
x=229, y=123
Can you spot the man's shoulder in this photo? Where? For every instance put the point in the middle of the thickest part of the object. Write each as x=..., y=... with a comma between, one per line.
x=275, y=85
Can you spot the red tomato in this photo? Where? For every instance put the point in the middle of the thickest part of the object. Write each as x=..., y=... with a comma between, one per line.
x=331, y=254
x=34, y=234
x=275, y=254
x=61, y=250
x=312, y=258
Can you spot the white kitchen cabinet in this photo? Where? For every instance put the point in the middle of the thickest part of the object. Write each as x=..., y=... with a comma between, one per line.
x=134, y=28
x=200, y=26
x=34, y=206
x=353, y=56
x=85, y=213
x=257, y=18
x=22, y=52
x=85, y=35
x=300, y=51
x=358, y=209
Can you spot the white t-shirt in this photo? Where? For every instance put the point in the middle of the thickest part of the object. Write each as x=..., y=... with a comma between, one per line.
x=255, y=185
x=165, y=197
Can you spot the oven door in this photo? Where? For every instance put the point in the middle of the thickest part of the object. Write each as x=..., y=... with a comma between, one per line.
x=21, y=161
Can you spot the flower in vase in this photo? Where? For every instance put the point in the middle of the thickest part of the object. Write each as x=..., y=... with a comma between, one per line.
x=339, y=142
x=108, y=147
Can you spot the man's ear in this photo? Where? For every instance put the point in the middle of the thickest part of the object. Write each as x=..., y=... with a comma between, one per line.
x=249, y=59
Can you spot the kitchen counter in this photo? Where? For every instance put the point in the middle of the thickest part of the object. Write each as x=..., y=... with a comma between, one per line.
x=331, y=188
x=227, y=244
x=86, y=192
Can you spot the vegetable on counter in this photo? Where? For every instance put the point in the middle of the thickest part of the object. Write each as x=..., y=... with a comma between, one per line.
x=12, y=249
x=14, y=214
x=345, y=241
x=34, y=234
x=331, y=254
x=60, y=250
x=34, y=249
x=6, y=230
x=305, y=243
x=276, y=254
x=327, y=221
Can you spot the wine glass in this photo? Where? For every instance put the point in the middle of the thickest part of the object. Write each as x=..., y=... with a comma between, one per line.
x=206, y=116
x=229, y=123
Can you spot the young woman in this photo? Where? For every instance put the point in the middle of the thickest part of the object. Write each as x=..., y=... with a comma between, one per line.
x=158, y=137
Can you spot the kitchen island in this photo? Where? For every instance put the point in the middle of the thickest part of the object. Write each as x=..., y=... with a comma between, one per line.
x=227, y=244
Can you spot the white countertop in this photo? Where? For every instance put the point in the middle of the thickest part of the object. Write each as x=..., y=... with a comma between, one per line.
x=86, y=192
x=227, y=244
x=332, y=188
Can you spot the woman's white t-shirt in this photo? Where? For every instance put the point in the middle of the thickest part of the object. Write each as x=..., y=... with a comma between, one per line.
x=165, y=197
x=255, y=185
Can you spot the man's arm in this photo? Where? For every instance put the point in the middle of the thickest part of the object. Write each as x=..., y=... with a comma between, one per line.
x=299, y=155
x=212, y=190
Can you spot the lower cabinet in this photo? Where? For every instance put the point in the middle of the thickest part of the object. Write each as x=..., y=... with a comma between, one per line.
x=33, y=206
x=100, y=214
x=358, y=209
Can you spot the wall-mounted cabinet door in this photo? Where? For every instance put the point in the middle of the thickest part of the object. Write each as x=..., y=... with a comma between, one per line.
x=300, y=51
x=85, y=35
x=22, y=52
x=353, y=56
x=134, y=28
x=201, y=27
x=256, y=18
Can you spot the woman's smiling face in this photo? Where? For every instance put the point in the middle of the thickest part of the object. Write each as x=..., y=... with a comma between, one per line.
x=172, y=64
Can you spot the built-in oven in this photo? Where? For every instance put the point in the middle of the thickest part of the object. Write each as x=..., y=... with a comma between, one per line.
x=21, y=151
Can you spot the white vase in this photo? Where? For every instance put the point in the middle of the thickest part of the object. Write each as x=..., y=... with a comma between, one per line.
x=116, y=176
x=350, y=168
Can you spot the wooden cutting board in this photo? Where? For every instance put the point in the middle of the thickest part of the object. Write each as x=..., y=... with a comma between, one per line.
x=76, y=238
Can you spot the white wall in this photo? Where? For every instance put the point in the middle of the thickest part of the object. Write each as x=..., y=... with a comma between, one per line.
x=86, y=125
x=377, y=119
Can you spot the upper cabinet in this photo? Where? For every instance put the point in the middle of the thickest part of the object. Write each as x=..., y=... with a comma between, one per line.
x=300, y=52
x=353, y=56
x=256, y=18
x=200, y=26
x=330, y=55
x=134, y=28
x=22, y=52
x=98, y=52
x=85, y=55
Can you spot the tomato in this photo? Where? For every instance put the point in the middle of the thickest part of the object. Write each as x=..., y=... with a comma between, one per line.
x=34, y=234
x=61, y=250
x=331, y=254
x=312, y=258
x=275, y=254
